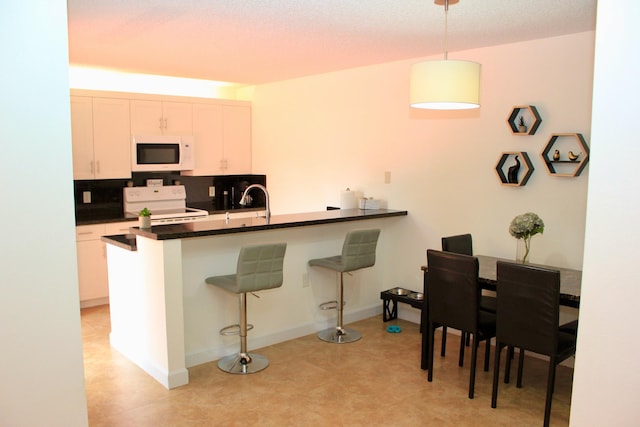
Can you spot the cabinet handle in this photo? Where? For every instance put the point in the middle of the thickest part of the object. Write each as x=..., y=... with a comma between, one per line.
x=97, y=166
x=84, y=233
x=92, y=167
x=165, y=123
x=160, y=122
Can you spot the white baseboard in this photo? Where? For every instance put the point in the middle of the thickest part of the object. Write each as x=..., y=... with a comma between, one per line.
x=94, y=302
x=168, y=379
x=210, y=355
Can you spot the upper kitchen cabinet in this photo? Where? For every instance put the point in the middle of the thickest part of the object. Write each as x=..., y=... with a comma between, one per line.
x=222, y=135
x=161, y=118
x=101, y=138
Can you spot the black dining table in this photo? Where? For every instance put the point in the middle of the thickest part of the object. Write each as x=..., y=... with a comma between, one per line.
x=570, y=281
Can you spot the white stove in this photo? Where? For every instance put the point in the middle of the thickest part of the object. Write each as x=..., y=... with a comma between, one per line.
x=167, y=204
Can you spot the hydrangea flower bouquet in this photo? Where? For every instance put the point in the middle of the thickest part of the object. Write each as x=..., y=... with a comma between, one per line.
x=524, y=227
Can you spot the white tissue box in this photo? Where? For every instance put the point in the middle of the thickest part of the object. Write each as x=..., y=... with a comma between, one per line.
x=369, y=204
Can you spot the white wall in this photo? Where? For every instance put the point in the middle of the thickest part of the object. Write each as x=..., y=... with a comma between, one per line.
x=41, y=371
x=315, y=136
x=607, y=378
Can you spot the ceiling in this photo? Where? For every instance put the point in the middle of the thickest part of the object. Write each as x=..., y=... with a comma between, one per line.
x=260, y=41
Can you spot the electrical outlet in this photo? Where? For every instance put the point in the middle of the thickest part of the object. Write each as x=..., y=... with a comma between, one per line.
x=305, y=280
x=387, y=177
x=86, y=197
x=212, y=191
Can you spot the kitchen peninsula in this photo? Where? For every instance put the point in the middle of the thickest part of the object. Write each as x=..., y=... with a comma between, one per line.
x=165, y=318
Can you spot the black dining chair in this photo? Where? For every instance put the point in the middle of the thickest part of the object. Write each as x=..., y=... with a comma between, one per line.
x=463, y=244
x=527, y=317
x=454, y=301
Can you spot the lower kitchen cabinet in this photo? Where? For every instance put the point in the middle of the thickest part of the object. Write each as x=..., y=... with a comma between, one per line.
x=92, y=261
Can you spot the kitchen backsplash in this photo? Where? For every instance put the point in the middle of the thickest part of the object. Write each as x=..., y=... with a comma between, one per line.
x=101, y=200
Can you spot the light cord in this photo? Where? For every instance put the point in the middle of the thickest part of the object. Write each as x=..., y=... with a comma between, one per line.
x=446, y=29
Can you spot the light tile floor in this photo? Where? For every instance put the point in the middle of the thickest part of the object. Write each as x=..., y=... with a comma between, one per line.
x=376, y=381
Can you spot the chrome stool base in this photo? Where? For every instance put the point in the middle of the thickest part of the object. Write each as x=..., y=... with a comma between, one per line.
x=339, y=336
x=233, y=364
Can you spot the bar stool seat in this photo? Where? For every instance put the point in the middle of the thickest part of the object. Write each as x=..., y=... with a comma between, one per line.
x=259, y=267
x=358, y=251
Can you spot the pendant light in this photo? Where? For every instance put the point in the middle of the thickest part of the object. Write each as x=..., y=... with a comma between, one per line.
x=446, y=84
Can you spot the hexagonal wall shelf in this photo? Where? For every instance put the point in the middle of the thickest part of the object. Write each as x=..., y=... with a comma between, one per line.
x=570, y=154
x=520, y=178
x=531, y=118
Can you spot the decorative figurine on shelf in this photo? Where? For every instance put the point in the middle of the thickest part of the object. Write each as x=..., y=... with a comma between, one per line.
x=522, y=126
x=512, y=173
x=556, y=155
x=574, y=157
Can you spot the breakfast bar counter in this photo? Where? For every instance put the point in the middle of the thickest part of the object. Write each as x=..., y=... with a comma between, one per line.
x=165, y=318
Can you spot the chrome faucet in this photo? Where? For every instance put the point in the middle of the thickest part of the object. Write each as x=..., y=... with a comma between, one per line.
x=243, y=199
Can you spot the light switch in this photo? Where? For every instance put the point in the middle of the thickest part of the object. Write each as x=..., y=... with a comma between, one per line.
x=212, y=191
x=86, y=197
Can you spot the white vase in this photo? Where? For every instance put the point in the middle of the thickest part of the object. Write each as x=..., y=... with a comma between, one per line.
x=144, y=221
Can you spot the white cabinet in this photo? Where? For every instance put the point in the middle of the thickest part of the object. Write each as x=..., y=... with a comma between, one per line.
x=82, y=137
x=92, y=261
x=101, y=138
x=92, y=265
x=237, y=139
x=222, y=135
x=160, y=118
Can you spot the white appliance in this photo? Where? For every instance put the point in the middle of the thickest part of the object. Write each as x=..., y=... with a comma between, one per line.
x=167, y=204
x=161, y=153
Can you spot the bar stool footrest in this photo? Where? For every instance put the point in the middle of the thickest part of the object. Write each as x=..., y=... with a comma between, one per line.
x=234, y=329
x=331, y=305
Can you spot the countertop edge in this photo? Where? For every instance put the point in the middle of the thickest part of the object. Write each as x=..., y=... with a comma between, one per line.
x=220, y=227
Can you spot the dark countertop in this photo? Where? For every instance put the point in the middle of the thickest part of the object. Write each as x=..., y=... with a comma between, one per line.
x=105, y=217
x=241, y=225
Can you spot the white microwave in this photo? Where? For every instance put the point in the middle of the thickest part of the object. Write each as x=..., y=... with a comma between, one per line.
x=161, y=153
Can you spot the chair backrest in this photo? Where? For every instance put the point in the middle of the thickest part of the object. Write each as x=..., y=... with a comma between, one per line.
x=460, y=244
x=260, y=267
x=453, y=291
x=359, y=249
x=528, y=307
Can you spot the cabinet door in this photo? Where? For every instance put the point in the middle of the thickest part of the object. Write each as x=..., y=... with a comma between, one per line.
x=111, y=138
x=160, y=118
x=146, y=117
x=207, y=134
x=92, y=270
x=237, y=139
x=177, y=118
x=82, y=137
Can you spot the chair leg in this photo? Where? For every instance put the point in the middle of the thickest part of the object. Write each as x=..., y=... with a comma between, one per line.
x=550, y=386
x=430, y=354
x=487, y=355
x=496, y=375
x=243, y=362
x=520, y=368
x=461, y=355
x=474, y=358
x=424, y=357
x=443, y=348
x=339, y=334
x=507, y=364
